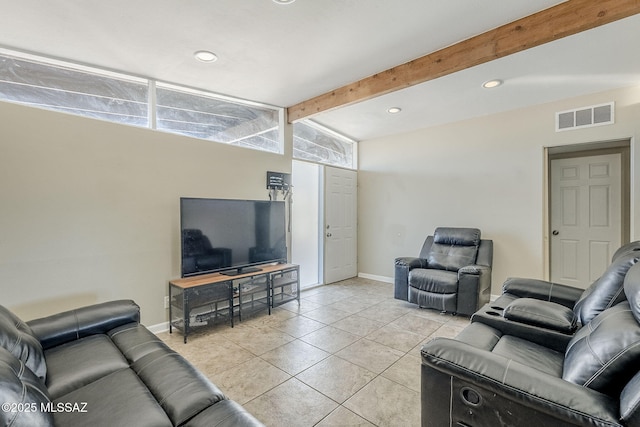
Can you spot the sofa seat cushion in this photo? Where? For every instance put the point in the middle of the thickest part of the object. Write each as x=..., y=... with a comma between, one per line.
x=178, y=386
x=435, y=281
x=17, y=338
x=513, y=348
x=78, y=363
x=480, y=335
x=530, y=354
x=117, y=399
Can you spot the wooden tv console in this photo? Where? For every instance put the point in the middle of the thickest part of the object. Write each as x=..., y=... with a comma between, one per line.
x=205, y=299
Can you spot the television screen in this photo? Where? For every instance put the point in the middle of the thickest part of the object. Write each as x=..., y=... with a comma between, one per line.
x=230, y=235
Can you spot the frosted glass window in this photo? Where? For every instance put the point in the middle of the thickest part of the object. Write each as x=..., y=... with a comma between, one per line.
x=215, y=118
x=316, y=143
x=117, y=97
x=74, y=90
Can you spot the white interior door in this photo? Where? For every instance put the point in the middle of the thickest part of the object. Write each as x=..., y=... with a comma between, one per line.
x=586, y=217
x=340, y=224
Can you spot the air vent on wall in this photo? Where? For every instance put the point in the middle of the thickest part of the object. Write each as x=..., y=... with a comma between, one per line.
x=595, y=115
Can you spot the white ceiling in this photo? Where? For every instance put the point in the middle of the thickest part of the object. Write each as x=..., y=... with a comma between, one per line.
x=285, y=54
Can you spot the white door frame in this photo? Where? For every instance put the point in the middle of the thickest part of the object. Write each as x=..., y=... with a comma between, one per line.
x=621, y=147
x=319, y=240
x=306, y=247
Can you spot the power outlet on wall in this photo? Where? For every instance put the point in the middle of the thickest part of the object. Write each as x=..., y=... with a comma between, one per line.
x=166, y=302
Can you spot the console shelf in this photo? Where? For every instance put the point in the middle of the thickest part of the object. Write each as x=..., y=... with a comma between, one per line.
x=211, y=298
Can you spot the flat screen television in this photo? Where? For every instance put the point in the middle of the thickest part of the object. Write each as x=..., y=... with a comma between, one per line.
x=230, y=236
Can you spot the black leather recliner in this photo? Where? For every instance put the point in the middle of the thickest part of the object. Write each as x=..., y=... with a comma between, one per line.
x=451, y=274
x=556, y=311
x=488, y=377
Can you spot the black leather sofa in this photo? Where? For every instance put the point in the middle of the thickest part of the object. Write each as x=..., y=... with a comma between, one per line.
x=98, y=366
x=488, y=377
x=547, y=311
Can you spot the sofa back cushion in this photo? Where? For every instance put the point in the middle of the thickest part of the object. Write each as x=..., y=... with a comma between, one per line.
x=604, y=354
x=23, y=392
x=453, y=248
x=608, y=290
x=17, y=338
x=631, y=246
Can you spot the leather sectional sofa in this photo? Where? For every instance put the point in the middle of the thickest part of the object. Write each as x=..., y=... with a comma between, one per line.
x=98, y=366
x=494, y=374
x=551, y=313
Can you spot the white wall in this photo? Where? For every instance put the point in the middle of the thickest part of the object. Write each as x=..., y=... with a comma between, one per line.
x=486, y=173
x=89, y=210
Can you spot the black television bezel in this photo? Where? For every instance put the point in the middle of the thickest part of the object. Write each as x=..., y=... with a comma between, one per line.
x=239, y=268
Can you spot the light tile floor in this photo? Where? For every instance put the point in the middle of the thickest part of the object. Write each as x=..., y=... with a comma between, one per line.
x=348, y=355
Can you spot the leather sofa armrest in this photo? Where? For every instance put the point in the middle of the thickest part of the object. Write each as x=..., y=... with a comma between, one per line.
x=90, y=320
x=474, y=288
x=403, y=266
x=491, y=374
x=485, y=253
x=542, y=313
x=411, y=262
x=542, y=290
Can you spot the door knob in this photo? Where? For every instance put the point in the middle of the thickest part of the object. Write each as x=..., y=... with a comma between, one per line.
x=555, y=232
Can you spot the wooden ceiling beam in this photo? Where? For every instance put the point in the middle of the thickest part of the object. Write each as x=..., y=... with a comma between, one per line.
x=565, y=19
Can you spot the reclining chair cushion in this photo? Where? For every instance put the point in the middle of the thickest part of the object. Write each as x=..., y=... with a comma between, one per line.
x=436, y=281
x=530, y=354
x=453, y=248
x=452, y=236
x=545, y=314
x=604, y=354
x=608, y=290
x=513, y=348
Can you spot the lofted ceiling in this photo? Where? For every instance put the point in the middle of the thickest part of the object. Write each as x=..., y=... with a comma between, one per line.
x=284, y=54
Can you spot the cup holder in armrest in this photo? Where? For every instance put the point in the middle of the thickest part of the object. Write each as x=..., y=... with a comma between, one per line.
x=493, y=313
x=495, y=307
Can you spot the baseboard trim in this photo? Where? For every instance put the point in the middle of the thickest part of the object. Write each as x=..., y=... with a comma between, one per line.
x=159, y=328
x=375, y=277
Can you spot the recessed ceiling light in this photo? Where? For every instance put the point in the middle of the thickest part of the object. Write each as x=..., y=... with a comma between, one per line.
x=205, y=56
x=283, y=1
x=394, y=110
x=491, y=83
